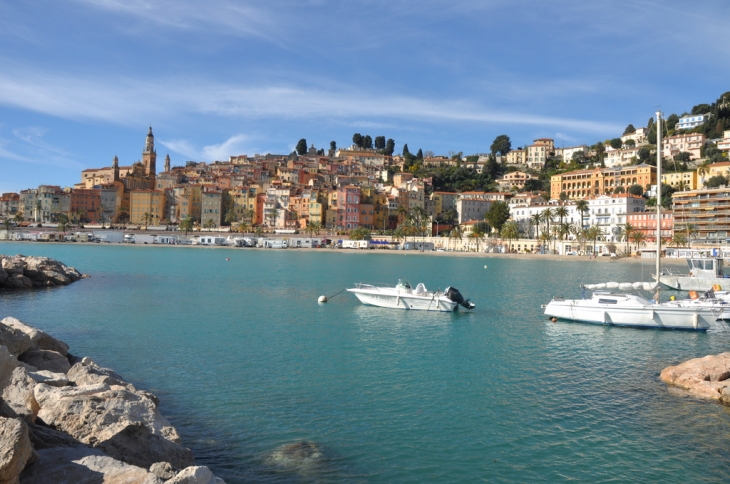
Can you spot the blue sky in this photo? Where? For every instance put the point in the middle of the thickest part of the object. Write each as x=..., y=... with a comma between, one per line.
x=81, y=80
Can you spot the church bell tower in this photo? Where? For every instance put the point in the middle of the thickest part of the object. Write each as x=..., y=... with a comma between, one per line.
x=167, y=162
x=115, y=169
x=149, y=155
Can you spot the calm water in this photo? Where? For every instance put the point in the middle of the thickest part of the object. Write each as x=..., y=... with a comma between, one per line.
x=244, y=360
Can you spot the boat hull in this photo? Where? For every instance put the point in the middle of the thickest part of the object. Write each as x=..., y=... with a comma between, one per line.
x=691, y=283
x=653, y=316
x=404, y=301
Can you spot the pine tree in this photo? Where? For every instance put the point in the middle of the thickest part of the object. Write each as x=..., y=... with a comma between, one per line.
x=302, y=147
x=405, y=150
x=389, y=147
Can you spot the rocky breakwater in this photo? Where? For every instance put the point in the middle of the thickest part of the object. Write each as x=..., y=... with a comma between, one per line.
x=707, y=377
x=26, y=272
x=64, y=419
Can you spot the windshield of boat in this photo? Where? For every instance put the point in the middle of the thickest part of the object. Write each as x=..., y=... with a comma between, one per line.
x=404, y=283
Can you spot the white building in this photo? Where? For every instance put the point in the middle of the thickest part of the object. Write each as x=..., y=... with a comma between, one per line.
x=692, y=121
x=620, y=157
x=570, y=151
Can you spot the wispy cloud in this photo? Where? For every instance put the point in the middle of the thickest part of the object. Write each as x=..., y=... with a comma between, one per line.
x=129, y=100
x=215, y=152
x=34, y=137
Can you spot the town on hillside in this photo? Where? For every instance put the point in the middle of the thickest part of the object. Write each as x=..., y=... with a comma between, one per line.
x=541, y=192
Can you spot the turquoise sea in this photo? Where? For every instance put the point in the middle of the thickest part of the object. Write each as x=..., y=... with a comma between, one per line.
x=245, y=360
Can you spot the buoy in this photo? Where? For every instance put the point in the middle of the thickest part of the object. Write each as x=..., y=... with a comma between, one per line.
x=228, y=258
x=485, y=267
x=322, y=299
x=554, y=319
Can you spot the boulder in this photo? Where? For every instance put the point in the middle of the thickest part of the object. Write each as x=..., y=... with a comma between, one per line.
x=46, y=360
x=125, y=424
x=89, y=373
x=66, y=465
x=56, y=278
x=707, y=377
x=195, y=475
x=43, y=437
x=36, y=266
x=3, y=276
x=15, y=449
x=303, y=457
x=18, y=281
x=13, y=265
x=16, y=389
x=49, y=378
x=19, y=338
x=74, y=275
x=163, y=470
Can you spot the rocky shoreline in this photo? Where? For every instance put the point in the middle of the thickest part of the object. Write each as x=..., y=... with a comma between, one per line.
x=27, y=272
x=64, y=419
x=707, y=377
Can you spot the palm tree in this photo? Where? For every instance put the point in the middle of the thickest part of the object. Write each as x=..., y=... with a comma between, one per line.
x=123, y=215
x=18, y=217
x=209, y=223
x=243, y=227
x=547, y=217
x=626, y=230
x=582, y=207
x=476, y=235
x=187, y=224
x=561, y=212
x=638, y=237
x=535, y=220
x=594, y=232
x=691, y=232
x=678, y=240
x=456, y=234
x=230, y=217
x=147, y=217
x=511, y=231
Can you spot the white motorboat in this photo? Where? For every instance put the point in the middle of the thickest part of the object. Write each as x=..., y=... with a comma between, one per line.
x=403, y=296
x=718, y=301
x=606, y=307
x=704, y=273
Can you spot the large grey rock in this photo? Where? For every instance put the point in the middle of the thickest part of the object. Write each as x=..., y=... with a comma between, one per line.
x=125, y=424
x=46, y=360
x=163, y=470
x=20, y=337
x=195, y=475
x=73, y=274
x=13, y=265
x=43, y=437
x=18, y=281
x=35, y=266
x=15, y=449
x=89, y=373
x=65, y=465
x=301, y=457
x=17, y=397
x=49, y=378
x=3, y=276
x=56, y=278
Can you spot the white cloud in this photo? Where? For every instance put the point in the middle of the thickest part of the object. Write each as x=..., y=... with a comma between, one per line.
x=128, y=100
x=216, y=152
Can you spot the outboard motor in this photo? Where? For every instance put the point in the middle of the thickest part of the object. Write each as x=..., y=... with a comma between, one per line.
x=454, y=294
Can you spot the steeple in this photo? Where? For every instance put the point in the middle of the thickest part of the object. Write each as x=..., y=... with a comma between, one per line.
x=167, y=162
x=115, y=168
x=149, y=155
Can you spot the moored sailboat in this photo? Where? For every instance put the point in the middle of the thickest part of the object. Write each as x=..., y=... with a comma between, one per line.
x=607, y=307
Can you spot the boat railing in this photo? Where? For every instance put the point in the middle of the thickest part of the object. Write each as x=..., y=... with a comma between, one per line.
x=362, y=285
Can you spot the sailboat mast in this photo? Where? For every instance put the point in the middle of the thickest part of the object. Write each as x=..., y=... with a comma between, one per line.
x=658, y=194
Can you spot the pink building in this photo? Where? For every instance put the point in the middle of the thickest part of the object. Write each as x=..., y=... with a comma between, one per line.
x=348, y=207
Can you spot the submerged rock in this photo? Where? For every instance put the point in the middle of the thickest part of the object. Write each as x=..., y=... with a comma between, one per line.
x=707, y=377
x=303, y=457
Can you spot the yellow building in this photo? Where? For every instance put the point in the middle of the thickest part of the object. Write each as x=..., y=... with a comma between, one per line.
x=242, y=202
x=146, y=201
x=715, y=169
x=581, y=184
x=686, y=180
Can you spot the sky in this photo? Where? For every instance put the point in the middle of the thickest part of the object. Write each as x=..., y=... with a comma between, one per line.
x=82, y=80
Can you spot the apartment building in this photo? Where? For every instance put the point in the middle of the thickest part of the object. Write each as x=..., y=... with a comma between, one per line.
x=691, y=143
x=581, y=184
x=708, y=210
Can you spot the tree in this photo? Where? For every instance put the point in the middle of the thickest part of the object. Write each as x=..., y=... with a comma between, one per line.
x=682, y=157
x=716, y=181
x=616, y=143
x=187, y=224
x=630, y=143
x=230, y=217
x=501, y=145
x=644, y=154
x=690, y=231
x=629, y=129
x=671, y=121
x=638, y=238
x=578, y=157
x=593, y=233
x=619, y=189
x=456, y=234
x=209, y=223
x=333, y=146
x=147, y=218
x=476, y=236
x=497, y=215
x=367, y=142
x=380, y=142
x=636, y=189
x=302, y=147
x=625, y=233
x=701, y=109
x=406, y=153
x=678, y=240
x=582, y=207
x=419, y=155
x=360, y=233
x=511, y=231
x=357, y=139
x=535, y=221
x=320, y=152
x=389, y=147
